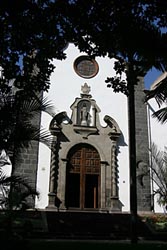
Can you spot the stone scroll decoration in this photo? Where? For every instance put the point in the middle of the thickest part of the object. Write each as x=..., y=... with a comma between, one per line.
x=55, y=129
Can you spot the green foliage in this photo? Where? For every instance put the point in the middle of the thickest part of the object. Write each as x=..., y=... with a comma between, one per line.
x=159, y=92
x=161, y=115
x=159, y=173
x=19, y=126
x=35, y=32
x=157, y=221
x=127, y=30
x=31, y=35
x=20, y=116
x=14, y=192
x=116, y=82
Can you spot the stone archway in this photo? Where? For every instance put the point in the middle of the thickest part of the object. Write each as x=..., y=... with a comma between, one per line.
x=83, y=178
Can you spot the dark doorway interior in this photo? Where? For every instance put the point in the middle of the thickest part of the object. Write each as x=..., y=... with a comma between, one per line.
x=91, y=191
x=73, y=197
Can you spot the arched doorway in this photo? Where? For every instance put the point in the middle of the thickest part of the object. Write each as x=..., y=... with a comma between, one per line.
x=83, y=178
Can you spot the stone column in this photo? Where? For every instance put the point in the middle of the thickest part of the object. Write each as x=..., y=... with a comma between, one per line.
x=75, y=115
x=63, y=183
x=103, y=185
x=114, y=172
x=52, y=191
x=93, y=116
x=115, y=203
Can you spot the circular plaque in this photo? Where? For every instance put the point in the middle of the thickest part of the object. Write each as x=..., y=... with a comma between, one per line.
x=86, y=67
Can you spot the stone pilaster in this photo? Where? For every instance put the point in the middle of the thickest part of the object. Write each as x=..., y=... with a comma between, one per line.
x=142, y=148
x=103, y=185
x=115, y=203
x=62, y=184
x=53, y=172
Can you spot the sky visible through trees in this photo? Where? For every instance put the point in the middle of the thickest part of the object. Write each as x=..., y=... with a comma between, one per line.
x=150, y=77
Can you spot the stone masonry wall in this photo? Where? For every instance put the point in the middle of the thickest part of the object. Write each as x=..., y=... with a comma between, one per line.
x=142, y=149
x=27, y=163
x=27, y=167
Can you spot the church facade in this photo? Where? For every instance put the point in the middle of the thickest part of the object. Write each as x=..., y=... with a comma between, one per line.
x=88, y=167
x=84, y=169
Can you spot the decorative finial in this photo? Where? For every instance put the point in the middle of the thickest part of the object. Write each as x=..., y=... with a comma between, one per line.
x=85, y=89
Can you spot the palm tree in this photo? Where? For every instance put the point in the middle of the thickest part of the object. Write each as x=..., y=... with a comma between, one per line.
x=15, y=198
x=15, y=192
x=159, y=174
x=159, y=92
x=19, y=126
x=20, y=123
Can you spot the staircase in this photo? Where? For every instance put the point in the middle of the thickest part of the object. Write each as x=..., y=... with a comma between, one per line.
x=90, y=225
x=81, y=225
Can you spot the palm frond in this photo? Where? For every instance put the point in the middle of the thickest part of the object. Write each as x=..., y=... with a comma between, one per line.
x=22, y=183
x=4, y=160
x=157, y=156
x=159, y=172
x=37, y=105
x=7, y=180
x=19, y=189
x=159, y=90
x=28, y=133
x=43, y=136
x=161, y=115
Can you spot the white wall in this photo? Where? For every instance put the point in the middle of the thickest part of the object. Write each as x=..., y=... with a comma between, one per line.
x=65, y=87
x=157, y=132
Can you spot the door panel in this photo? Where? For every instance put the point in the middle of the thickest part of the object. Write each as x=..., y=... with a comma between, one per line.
x=91, y=191
x=83, y=177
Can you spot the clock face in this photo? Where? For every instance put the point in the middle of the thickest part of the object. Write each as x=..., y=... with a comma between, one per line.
x=86, y=67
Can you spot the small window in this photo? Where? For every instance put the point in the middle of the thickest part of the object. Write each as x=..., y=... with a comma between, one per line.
x=86, y=67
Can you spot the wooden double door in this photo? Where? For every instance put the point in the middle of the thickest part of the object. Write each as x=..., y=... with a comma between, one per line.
x=83, y=178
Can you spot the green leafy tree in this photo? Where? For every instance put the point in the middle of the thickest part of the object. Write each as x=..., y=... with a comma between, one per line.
x=35, y=32
x=32, y=33
x=128, y=30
